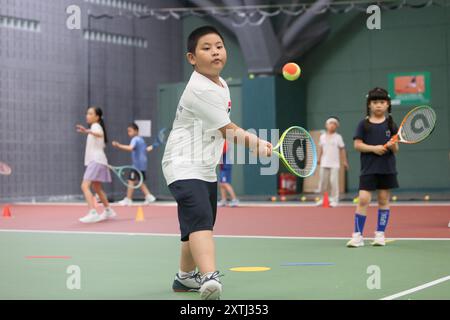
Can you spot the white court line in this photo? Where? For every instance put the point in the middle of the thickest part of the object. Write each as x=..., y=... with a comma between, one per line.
x=418, y=288
x=216, y=236
x=242, y=204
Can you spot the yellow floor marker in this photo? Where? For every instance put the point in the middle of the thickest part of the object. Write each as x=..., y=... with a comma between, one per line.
x=250, y=269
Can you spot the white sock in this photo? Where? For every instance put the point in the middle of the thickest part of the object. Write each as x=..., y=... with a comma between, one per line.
x=93, y=211
x=183, y=274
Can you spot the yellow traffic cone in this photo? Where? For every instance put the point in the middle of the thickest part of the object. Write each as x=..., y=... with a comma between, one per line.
x=140, y=215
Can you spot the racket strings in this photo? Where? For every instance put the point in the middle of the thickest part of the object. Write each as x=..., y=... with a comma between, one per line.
x=129, y=173
x=161, y=138
x=125, y=173
x=298, y=151
x=419, y=124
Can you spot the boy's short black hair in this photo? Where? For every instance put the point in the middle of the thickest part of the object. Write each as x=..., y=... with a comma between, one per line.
x=197, y=34
x=133, y=126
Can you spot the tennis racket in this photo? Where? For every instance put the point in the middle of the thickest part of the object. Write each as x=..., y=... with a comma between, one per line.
x=160, y=138
x=5, y=170
x=297, y=151
x=416, y=126
x=125, y=173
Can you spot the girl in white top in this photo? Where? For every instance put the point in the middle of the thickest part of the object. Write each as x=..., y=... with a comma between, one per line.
x=97, y=170
x=331, y=149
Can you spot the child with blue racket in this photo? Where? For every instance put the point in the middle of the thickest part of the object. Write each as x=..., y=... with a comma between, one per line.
x=97, y=171
x=378, y=167
x=138, y=149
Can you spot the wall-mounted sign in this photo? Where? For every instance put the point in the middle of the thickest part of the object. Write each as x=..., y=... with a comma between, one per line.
x=410, y=88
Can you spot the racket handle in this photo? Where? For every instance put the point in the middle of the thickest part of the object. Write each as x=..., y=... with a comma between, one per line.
x=394, y=139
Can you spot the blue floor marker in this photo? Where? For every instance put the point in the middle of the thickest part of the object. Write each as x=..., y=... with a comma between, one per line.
x=307, y=264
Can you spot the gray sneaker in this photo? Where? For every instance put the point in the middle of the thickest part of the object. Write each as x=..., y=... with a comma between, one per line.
x=234, y=203
x=222, y=203
x=211, y=288
x=190, y=283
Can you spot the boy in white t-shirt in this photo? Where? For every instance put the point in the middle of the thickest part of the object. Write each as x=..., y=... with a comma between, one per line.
x=193, y=150
x=331, y=148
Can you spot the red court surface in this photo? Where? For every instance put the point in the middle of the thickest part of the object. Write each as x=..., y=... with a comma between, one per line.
x=416, y=221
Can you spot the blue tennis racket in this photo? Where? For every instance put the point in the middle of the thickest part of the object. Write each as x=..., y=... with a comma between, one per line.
x=160, y=138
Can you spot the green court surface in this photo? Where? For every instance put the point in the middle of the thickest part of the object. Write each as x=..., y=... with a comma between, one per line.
x=143, y=266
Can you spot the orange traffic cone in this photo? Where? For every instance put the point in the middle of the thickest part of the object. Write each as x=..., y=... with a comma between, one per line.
x=140, y=215
x=326, y=201
x=6, y=211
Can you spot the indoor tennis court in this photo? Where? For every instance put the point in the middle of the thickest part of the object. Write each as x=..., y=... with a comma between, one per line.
x=129, y=259
x=337, y=188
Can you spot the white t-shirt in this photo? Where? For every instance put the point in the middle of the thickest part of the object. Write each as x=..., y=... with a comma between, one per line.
x=95, y=147
x=331, y=144
x=195, y=144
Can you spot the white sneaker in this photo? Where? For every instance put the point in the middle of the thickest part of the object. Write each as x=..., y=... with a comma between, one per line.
x=356, y=241
x=149, y=199
x=211, y=288
x=190, y=283
x=107, y=214
x=379, y=239
x=126, y=202
x=91, y=217
x=234, y=203
x=333, y=204
x=222, y=203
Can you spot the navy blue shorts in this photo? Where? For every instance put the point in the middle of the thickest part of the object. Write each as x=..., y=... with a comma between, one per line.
x=225, y=175
x=371, y=182
x=197, y=205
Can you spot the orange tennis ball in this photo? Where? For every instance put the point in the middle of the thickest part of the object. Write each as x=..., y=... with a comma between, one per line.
x=291, y=71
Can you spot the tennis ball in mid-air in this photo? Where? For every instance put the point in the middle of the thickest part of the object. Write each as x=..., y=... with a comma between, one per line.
x=356, y=200
x=303, y=198
x=426, y=198
x=317, y=199
x=394, y=198
x=291, y=71
x=251, y=76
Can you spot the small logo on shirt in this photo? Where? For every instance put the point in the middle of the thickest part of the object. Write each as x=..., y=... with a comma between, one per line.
x=229, y=107
x=388, y=133
x=179, y=110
